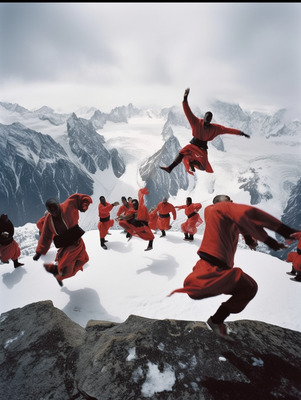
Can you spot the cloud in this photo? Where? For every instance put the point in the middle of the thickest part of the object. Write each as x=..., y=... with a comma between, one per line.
x=247, y=53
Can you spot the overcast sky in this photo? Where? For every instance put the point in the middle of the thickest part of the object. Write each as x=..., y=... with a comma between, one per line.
x=69, y=55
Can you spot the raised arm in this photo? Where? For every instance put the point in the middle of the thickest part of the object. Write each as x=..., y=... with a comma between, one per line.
x=192, y=119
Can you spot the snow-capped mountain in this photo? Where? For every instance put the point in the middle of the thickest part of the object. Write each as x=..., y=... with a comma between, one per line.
x=45, y=154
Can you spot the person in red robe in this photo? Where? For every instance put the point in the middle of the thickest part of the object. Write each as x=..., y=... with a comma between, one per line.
x=164, y=208
x=105, y=222
x=9, y=248
x=189, y=227
x=294, y=257
x=135, y=221
x=214, y=273
x=125, y=206
x=194, y=155
x=61, y=227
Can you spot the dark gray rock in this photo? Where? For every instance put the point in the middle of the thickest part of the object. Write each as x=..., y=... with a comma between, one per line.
x=44, y=355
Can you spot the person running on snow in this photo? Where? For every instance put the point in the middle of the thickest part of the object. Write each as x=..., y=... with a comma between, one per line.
x=9, y=248
x=135, y=221
x=189, y=227
x=105, y=223
x=194, y=155
x=61, y=227
x=164, y=208
x=294, y=257
x=214, y=273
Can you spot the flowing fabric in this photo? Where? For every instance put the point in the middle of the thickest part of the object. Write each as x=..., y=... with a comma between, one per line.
x=153, y=220
x=193, y=153
x=191, y=224
x=71, y=259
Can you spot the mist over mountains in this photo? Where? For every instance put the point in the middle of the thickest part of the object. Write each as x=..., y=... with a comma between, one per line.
x=46, y=154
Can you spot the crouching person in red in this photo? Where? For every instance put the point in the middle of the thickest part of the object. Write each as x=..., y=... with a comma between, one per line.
x=61, y=227
x=135, y=220
x=9, y=248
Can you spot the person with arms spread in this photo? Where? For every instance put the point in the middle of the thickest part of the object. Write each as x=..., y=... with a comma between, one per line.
x=214, y=273
x=189, y=227
x=61, y=227
x=194, y=155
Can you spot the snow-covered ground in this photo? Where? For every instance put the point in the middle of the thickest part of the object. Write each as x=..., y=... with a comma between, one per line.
x=125, y=280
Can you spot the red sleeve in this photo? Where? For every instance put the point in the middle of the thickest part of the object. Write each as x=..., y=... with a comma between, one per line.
x=142, y=213
x=197, y=206
x=40, y=223
x=77, y=198
x=222, y=130
x=174, y=212
x=120, y=210
x=252, y=221
x=192, y=119
x=46, y=237
x=104, y=211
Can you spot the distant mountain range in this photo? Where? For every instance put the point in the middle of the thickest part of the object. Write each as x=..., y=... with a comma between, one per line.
x=46, y=154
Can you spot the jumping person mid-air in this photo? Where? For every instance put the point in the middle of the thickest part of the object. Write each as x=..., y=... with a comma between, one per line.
x=194, y=155
x=61, y=227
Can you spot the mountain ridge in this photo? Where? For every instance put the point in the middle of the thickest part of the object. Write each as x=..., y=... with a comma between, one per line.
x=47, y=154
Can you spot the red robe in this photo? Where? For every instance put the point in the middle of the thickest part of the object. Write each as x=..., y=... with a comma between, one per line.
x=192, y=223
x=10, y=251
x=40, y=223
x=123, y=209
x=164, y=210
x=138, y=226
x=153, y=220
x=106, y=223
x=295, y=256
x=9, y=248
x=192, y=152
x=224, y=222
x=72, y=258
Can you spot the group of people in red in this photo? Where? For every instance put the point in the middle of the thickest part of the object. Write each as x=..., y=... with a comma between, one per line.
x=60, y=226
x=213, y=274
x=136, y=220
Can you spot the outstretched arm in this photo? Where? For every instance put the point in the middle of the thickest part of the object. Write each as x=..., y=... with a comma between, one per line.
x=244, y=134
